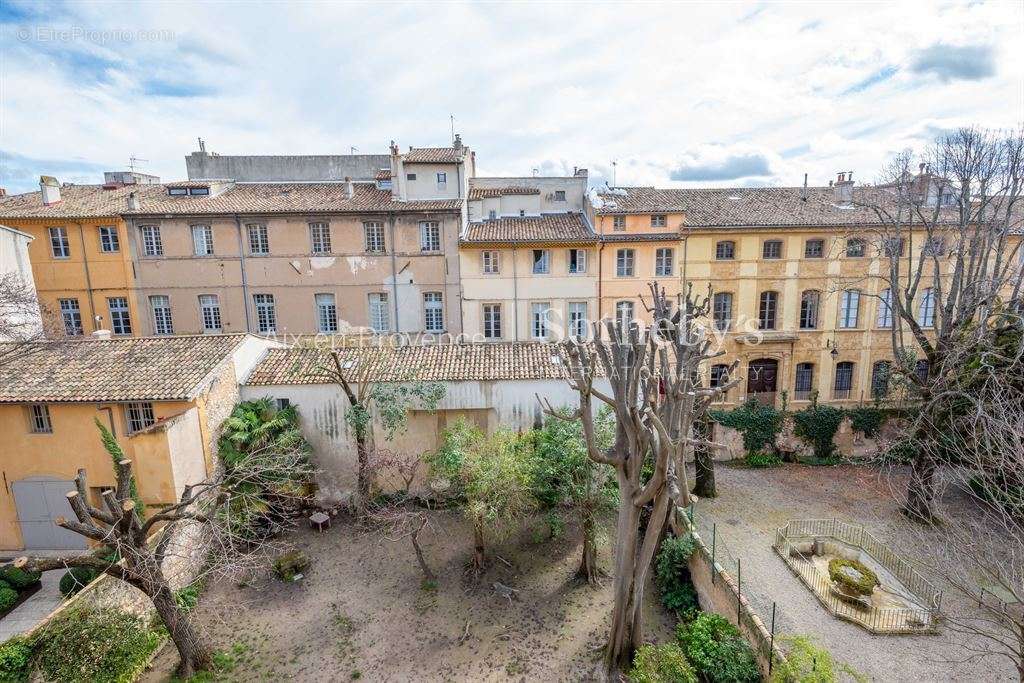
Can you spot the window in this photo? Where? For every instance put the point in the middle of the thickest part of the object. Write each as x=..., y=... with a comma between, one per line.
x=152, y=245
x=926, y=312
x=198, y=191
x=659, y=221
x=884, y=309
x=140, y=416
x=522, y=212
x=410, y=176
x=559, y=195
x=202, y=240
x=893, y=246
x=266, y=313
x=492, y=321
x=722, y=311
x=772, y=249
x=578, y=324
x=880, y=374
x=804, y=381
x=380, y=313
x=624, y=261
x=326, y=313
x=489, y=262
x=921, y=368
x=39, y=419
x=577, y=261
x=177, y=191
x=120, y=320
x=492, y=215
x=281, y=403
x=109, y=241
x=161, y=308
x=624, y=313
x=618, y=223
x=373, y=237
x=849, y=308
x=934, y=246
x=433, y=312
x=719, y=375
x=59, y=244
x=259, y=240
x=856, y=247
x=725, y=251
x=539, y=320
x=844, y=380
x=430, y=236
x=442, y=178
x=768, y=310
x=320, y=238
x=663, y=262
x=814, y=249
x=71, y=316
x=541, y=261
x=809, y=302
x=209, y=310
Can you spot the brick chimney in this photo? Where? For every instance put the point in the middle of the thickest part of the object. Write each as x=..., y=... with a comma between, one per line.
x=50, y=189
x=843, y=187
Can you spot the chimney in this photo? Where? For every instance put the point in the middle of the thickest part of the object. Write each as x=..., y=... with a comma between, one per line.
x=803, y=191
x=457, y=143
x=348, y=187
x=580, y=173
x=3, y=191
x=50, y=189
x=102, y=335
x=843, y=188
x=398, y=179
x=133, y=201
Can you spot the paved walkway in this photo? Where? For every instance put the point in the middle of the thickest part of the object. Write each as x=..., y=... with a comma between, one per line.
x=35, y=609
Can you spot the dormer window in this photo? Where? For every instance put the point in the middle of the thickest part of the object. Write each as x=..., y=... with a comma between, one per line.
x=199, y=190
x=659, y=221
x=176, y=191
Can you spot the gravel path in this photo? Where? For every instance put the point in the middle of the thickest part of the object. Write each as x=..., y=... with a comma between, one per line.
x=752, y=504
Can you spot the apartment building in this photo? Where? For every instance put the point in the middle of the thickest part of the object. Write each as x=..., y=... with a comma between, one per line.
x=20, y=317
x=527, y=259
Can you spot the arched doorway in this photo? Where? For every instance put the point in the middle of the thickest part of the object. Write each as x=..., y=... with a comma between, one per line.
x=762, y=379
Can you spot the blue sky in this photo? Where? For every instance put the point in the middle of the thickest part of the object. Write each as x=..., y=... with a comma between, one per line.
x=673, y=94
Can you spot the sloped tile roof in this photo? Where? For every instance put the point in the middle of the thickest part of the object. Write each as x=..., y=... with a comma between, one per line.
x=76, y=201
x=489, y=192
x=133, y=369
x=556, y=228
x=434, y=362
x=434, y=155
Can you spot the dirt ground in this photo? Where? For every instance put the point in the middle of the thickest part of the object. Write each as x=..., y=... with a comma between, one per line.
x=753, y=503
x=360, y=613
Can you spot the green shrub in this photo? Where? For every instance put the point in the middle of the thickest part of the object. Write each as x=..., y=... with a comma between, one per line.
x=75, y=579
x=20, y=579
x=661, y=664
x=290, y=565
x=901, y=452
x=717, y=651
x=672, y=573
x=807, y=663
x=188, y=597
x=760, y=460
x=818, y=424
x=760, y=425
x=868, y=420
x=853, y=575
x=100, y=645
x=15, y=659
x=8, y=596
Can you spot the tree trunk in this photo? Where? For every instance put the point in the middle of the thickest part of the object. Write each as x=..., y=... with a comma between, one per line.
x=618, y=653
x=588, y=566
x=479, y=558
x=919, y=505
x=192, y=647
x=363, y=455
x=704, y=473
x=428, y=575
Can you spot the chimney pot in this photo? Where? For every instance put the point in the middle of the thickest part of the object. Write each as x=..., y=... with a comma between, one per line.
x=133, y=201
x=457, y=144
x=50, y=189
x=349, y=190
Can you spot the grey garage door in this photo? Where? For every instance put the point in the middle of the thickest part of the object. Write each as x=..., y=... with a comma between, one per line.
x=40, y=502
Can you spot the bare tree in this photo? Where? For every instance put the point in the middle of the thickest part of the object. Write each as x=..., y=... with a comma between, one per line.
x=394, y=514
x=202, y=515
x=22, y=320
x=656, y=396
x=963, y=207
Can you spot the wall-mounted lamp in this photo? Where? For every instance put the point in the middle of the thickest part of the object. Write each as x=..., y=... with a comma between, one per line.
x=831, y=344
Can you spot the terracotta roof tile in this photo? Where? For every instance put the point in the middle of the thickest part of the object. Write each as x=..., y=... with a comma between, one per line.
x=489, y=192
x=434, y=155
x=135, y=369
x=560, y=228
x=77, y=201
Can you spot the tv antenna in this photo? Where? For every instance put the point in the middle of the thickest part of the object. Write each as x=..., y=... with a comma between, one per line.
x=132, y=160
x=353, y=150
x=614, y=165
x=451, y=117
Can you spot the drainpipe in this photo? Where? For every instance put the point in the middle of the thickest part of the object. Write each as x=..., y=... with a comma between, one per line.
x=245, y=276
x=88, y=278
x=515, y=296
x=600, y=268
x=394, y=268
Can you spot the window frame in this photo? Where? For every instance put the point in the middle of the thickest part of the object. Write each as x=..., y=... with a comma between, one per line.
x=765, y=248
x=819, y=246
x=659, y=271
x=161, y=316
x=59, y=241
x=884, y=314
x=926, y=309
x=540, y=332
x=39, y=419
x=320, y=238
x=716, y=319
x=374, y=240
x=123, y=327
x=545, y=262
x=810, y=314
x=431, y=230
x=579, y=326
x=859, y=243
x=841, y=368
x=491, y=321
x=559, y=195
x=207, y=238
x=580, y=256
x=659, y=220
x=880, y=383
x=490, y=262
x=152, y=241
x=214, y=316
x=326, y=312
x=719, y=248
x=849, y=317
x=803, y=377
x=76, y=313
x=768, y=304
x=442, y=178
x=109, y=237
x=261, y=234
x=265, y=303
x=618, y=223
x=620, y=306
x=143, y=418
x=433, y=306
x=381, y=303
x=625, y=262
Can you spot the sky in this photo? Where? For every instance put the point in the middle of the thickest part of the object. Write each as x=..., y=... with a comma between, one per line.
x=664, y=94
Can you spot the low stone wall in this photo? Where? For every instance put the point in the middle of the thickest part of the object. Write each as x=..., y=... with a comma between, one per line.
x=849, y=444
x=718, y=592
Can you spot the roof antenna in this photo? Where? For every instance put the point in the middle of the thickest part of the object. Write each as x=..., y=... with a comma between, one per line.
x=131, y=162
x=451, y=117
x=202, y=145
x=614, y=165
x=803, y=192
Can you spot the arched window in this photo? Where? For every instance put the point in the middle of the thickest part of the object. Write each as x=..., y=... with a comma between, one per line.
x=804, y=381
x=880, y=373
x=768, y=311
x=809, y=302
x=844, y=380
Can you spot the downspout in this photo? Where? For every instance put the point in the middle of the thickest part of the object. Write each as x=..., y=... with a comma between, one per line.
x=600, y=270
x=515, y=296
x=88, y=278
x=394, y=267
x=245, y=276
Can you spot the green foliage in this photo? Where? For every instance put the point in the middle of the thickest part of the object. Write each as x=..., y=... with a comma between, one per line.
x=853, y=575
x=867, y=419
x=716, y=650
x=75, y=579
x=8, y=596
x=19, y=578
x=563, y=471
x=762, y=460
x=391, y=403
x=806, y=663
x=15, y=659
x=188, y=597
x=901, y=452
x=760, y=425
x=818, y=424
x=117, y=455
x=661, y=664
x=672, y=573
x=999, y=489
x=100, y=645
x=290, y=565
